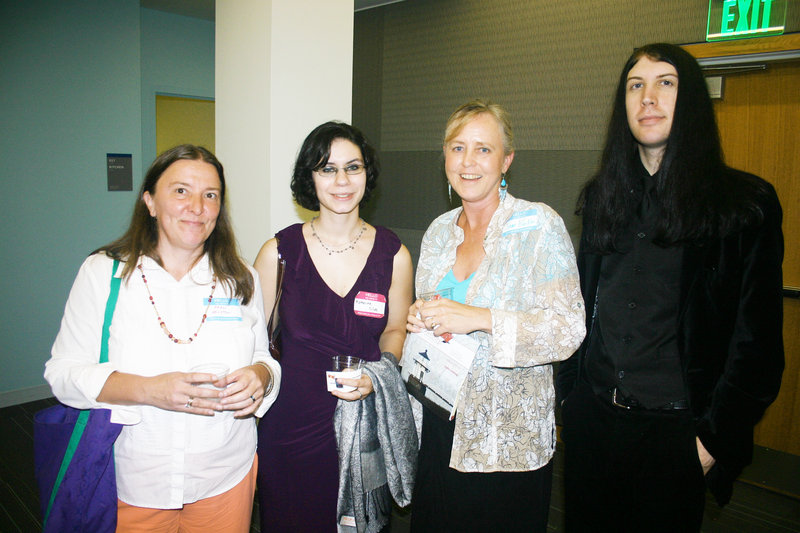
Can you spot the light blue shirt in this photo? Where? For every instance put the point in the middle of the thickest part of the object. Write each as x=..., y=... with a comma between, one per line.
x=459, y=287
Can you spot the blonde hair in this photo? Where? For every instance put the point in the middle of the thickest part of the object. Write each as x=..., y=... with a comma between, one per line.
x=466, y=112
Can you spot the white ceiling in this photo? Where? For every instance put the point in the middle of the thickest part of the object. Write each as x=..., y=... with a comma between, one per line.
x=204, y=9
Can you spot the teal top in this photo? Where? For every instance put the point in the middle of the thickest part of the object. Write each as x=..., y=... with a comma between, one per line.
x=459, y=287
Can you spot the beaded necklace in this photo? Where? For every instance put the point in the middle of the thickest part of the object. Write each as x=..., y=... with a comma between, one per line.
x=163, y=325
x=350, y=246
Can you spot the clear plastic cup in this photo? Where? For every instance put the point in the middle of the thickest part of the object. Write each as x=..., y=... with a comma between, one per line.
x=343, y=366
x=218, y=369
x=437, y=295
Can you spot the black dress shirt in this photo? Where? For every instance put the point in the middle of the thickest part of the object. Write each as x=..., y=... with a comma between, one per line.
x=633, y=344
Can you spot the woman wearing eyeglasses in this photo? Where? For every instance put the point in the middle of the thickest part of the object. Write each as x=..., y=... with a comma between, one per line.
x=346, y=291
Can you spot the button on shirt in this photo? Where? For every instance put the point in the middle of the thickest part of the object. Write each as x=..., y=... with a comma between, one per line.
x=633, y=343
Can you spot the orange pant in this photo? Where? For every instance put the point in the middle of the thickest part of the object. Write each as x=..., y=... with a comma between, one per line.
x=229, y=512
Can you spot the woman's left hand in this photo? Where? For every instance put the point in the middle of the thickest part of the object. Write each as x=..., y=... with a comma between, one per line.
x=363, y=387
x=446, y=316
x=244, y=389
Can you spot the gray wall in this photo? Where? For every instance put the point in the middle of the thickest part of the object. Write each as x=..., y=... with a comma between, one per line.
x=553, y=65
x=73, y=75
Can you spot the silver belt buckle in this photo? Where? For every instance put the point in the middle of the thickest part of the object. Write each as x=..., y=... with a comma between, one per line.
x=614, y=400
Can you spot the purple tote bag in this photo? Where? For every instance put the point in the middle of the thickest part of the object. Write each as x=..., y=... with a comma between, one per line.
x=86, y=500
x=73, y=453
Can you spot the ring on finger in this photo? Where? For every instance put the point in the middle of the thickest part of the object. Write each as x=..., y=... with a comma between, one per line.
x=252, y=397
x=189, y=402
x=360, y=394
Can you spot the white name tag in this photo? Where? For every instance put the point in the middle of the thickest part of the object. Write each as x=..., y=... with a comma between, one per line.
x=370, y=304
x=224, y=310
x=348, y=521
x=523, y=221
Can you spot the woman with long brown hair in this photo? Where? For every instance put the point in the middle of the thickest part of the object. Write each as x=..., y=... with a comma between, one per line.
x=185, y=459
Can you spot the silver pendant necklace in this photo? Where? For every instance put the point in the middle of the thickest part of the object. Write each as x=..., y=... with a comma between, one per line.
x=351, y=245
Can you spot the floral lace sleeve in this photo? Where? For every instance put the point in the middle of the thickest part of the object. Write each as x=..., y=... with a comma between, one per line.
x=542, y=319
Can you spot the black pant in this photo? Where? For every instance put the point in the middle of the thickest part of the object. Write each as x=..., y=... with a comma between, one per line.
x=629, y=470
x=449, y=501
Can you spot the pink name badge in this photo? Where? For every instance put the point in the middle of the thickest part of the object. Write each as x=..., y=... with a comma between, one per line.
x=370, y=304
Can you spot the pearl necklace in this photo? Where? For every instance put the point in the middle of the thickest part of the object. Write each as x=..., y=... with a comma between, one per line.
x=350, y=246
x=163, y=325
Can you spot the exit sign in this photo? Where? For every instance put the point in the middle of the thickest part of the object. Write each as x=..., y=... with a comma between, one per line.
x=740, y=19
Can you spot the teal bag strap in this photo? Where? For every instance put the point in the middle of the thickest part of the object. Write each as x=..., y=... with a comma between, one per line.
x=111, y=303
x=83, y=417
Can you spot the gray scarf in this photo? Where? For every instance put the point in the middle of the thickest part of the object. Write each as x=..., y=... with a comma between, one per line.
x=378, y=444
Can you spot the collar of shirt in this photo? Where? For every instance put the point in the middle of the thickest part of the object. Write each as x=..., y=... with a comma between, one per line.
x=199, y=274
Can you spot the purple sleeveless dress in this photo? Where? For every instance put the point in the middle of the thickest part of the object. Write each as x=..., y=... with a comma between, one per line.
x=298, y=474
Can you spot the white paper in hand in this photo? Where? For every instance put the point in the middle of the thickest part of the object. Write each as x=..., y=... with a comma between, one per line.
x=434, y=370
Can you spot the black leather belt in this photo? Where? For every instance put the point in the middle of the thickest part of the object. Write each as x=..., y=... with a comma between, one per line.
x=618, y=400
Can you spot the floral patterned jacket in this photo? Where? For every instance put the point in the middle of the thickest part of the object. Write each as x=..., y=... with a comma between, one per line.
x=528, y=278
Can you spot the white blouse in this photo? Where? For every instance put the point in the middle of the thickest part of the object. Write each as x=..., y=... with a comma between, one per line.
x=163, y=459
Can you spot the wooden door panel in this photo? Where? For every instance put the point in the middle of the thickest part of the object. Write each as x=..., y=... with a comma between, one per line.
x=759, y=121
x=779, y=429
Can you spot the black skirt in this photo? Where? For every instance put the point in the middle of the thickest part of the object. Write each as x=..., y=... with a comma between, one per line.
x=448, y=500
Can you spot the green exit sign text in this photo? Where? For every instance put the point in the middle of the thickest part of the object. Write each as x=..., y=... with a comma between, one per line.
x=740, y=19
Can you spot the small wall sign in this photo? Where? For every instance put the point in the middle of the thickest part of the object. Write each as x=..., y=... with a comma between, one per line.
x=741, y=19
x=119, y=168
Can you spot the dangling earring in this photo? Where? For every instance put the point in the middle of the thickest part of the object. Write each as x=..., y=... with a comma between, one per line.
x=503, y=187
x=450, y=192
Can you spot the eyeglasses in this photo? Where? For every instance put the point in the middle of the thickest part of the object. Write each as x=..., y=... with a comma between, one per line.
x=330, y=171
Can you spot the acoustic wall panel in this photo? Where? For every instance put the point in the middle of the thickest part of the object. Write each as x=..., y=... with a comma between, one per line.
x=553, y=65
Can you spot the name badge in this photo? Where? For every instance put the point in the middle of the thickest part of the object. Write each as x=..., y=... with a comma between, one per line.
x=370, y=304
x=223, y=310
x=522, y=221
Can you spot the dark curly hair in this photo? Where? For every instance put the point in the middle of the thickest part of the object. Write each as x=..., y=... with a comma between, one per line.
x=316, y=151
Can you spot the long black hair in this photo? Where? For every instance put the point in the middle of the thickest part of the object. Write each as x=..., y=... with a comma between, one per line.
x=697, y=197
